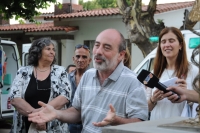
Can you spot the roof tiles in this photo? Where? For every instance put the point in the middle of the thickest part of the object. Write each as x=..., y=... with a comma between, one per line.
x=37, y=27
x=92, y=13
x=115, y=11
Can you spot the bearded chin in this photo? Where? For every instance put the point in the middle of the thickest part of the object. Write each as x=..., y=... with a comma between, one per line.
x=100, y=67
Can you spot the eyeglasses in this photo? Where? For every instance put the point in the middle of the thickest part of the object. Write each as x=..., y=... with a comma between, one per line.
x=82, y=46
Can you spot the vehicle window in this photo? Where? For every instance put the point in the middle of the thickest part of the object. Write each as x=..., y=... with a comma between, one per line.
x=194, y=42
x=145, y=66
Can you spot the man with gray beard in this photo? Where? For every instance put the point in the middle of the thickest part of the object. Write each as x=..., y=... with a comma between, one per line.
x=108, y=94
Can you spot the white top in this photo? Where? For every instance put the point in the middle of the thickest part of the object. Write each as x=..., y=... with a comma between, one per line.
x=166, y=109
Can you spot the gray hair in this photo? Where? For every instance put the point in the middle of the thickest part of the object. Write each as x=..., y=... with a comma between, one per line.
x=35, y=51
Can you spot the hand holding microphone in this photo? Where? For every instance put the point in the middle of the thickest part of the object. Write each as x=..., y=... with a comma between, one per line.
x=151, y=81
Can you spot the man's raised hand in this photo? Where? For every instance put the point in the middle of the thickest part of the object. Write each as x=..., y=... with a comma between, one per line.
x=108, y=120
x=46, y=114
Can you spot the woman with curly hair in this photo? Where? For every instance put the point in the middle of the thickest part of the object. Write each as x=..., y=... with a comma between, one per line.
x=41, y=80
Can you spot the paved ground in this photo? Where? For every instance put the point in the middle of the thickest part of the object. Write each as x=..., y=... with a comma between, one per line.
x=4, y=127
x=4, y=130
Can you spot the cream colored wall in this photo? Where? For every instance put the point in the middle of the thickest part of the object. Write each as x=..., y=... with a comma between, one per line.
x=174, y=18
x=67, y=50
x=90, y=28
x=68, y=1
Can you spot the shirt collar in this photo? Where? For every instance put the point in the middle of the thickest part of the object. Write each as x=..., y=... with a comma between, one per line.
x=72, y=73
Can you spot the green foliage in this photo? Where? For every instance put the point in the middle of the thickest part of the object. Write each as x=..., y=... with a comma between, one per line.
x=92, y=5
x=89, y=5
x=159, y=21
x=59, y=5
x=21, y=21
x=80, y=2
x=98, y=4
x=128, y=2
x=25, y=9
x=107, y=3
x=38, y=22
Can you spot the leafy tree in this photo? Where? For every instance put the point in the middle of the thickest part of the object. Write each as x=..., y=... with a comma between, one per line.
x=141, y=25
x=21, y=21
x=107, y=3
x=89, y=5
x=98, y=4
x=80, y=2
x=25, y=9
x=92, y=5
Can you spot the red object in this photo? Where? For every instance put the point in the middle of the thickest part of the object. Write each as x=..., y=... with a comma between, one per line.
x=8, y=103
x=4, y=70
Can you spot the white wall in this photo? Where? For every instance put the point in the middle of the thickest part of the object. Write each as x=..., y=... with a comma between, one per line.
x=90, y=28
x=174, y=18
x=171, y=18
x=68, y=1
x=67, y=50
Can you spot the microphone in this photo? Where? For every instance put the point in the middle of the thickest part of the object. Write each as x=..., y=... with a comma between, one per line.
x=150, y=80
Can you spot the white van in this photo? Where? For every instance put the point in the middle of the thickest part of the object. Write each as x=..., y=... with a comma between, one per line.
x=191, y=40
x=25, y=49
x=9, y=64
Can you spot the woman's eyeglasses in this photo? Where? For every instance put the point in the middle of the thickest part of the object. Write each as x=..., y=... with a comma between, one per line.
x=82, y=46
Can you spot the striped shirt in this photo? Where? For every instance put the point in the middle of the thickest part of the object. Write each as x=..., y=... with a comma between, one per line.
x=121, y=89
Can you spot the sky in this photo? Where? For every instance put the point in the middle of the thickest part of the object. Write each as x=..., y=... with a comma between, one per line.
x=51, y=8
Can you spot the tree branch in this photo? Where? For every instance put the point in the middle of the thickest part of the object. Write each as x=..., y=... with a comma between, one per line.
x=140, y=24
x=122, y=4
x=152, y=6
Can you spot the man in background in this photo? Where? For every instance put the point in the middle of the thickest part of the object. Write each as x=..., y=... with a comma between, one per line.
x=70, y=68
x=81, y=60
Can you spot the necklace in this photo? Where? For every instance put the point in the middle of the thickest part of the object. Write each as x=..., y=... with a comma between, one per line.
x=41, y=70
x=169, y=75
x=36, y=80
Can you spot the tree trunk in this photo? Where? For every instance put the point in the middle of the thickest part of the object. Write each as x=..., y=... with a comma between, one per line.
x=190, y=20
x=140, y=24
x=188, y=24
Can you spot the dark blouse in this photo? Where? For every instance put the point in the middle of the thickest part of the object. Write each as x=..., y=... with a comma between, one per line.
x=37, y=91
